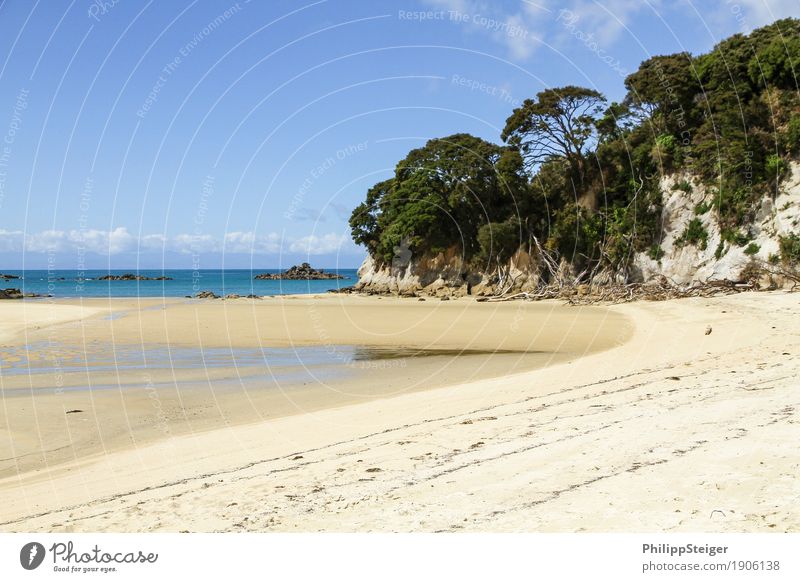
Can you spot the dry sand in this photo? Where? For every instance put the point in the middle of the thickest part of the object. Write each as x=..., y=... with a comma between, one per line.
x=673, y=430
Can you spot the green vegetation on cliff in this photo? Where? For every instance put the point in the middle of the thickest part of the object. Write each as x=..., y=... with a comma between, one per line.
x=582, y=175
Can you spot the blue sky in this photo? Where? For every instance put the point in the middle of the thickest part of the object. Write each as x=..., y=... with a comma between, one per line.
x=216, y=133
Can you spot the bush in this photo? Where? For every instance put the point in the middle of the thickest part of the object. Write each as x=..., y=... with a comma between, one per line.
x=683, y=185
x=775, y=167
x=695, y=234
x=702, y=208
x=734, y=237
x=752, y=249
x=665, y=142
x=734, y=205
x=499, y=241
x=790, y=249
x=793, y=135
x=655, y=252
x=720, y=251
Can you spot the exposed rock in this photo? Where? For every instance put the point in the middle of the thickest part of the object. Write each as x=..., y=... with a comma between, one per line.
x=206, y=295
x=232, y=296
x=132, y=277
x=18, y=294
x=719, y=260
x=7, y=276
x=11, y=294
x=300, y=272
x=444, y=274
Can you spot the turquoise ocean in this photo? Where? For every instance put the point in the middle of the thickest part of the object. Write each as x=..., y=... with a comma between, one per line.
x=65, y=283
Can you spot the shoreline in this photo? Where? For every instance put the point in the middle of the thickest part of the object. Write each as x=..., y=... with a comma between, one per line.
x=697, y=430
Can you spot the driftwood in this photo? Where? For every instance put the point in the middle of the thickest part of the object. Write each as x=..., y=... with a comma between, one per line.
x=657, y=290
x=581, y=290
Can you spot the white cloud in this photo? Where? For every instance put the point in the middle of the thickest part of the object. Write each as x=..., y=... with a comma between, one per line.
x=250, y=242
x=606, y=20
x=102, y=242
x=153, y=242
x=192, y=243
x=319, y=245
x=47, y=240
x=516, y=31
x=119, y=240
x=763, y=12
x=10, y=240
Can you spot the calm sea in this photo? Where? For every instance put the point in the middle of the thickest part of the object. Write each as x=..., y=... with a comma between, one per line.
x=184, y=282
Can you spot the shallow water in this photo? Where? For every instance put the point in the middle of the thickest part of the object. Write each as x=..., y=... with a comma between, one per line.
x=264, y=367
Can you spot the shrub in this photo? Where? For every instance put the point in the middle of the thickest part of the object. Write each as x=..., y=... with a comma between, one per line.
x=499, y=241
x=775, y=167
x=702, y=208
x=752, y=249
x=793, y=135
x=720, y=250
x=665, y=142
x=790, y=249
x=734, y=237
x=683, y=185
x=655, y=252
x=695, y=234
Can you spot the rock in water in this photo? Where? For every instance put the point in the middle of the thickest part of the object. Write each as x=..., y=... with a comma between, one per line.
x=132, y=277
x=10, y=294
x=206, y=295
x=300, y=272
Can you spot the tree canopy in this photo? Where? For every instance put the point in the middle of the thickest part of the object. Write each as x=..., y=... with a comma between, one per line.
x=558, y=123
x=439, y=196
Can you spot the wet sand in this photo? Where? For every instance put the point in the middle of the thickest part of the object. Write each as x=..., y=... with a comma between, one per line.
x=133, y=373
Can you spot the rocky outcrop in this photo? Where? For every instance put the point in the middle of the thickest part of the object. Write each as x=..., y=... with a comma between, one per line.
x=446, y=275
x=206, y=295
x=7, y=276
x=300, y=272
x=716, y=259
x=11, y=294
x=132, y=277
x=16, y=294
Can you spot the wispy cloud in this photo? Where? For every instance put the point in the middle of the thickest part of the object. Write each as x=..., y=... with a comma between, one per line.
x=518, y=30
x=320, y=245
x=607, y=20
x=762, y=12
x=120, y=240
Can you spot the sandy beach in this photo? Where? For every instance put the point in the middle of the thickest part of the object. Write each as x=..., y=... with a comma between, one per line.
x=617, y=418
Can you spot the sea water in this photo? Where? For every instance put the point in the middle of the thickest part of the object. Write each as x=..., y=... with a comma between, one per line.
x=183, y=282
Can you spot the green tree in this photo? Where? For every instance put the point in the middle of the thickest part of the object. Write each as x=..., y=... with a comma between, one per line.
x=663, y=90
x=440, y=195
x=499, y=241
x=558, y=123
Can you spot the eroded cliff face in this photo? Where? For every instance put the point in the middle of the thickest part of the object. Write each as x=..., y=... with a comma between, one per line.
x=447, y=274
x=717, y=259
